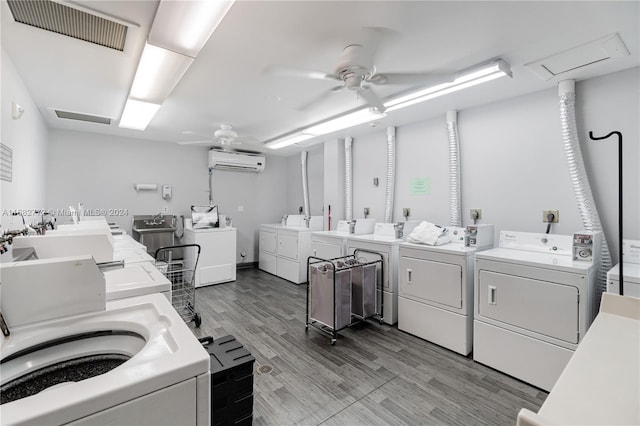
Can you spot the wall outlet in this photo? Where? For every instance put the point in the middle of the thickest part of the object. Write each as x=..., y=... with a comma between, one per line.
x=366, y=211
x=546, y=213
x=406, y=212
x=165, y=209
x=475, y=214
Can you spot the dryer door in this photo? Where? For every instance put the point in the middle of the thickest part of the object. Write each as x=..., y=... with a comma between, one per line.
x=543, y=307
x=428, y=281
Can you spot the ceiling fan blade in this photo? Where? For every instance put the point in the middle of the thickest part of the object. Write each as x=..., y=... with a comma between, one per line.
x=412, y=79
x=372, y=99
x=282, y=71
x=373, y=38
x=319, y=99
x=207, y=142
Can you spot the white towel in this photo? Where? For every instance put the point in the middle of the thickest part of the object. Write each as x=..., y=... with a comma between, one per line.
x=429, y=233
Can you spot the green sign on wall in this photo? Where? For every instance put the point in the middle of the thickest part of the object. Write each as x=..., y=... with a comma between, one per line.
x=420, y=186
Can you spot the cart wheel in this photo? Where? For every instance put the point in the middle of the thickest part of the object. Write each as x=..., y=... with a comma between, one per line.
x=198, y=319
x=333, y=342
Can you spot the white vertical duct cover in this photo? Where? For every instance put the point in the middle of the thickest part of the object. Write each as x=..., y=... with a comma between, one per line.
x=579, y=180
x=455, y=205
x=305, y=184
x=348, y=185
x=391, y=174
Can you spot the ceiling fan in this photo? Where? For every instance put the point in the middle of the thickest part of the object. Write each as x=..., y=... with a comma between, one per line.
x=224, y=136
x=356, y=72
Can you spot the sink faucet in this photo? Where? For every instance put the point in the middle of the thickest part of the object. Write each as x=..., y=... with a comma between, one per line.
x=157, y=216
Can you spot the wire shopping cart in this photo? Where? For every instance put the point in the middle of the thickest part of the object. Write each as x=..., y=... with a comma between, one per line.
x=178, y=264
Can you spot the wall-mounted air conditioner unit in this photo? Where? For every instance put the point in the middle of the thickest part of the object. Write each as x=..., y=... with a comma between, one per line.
x=239, y=161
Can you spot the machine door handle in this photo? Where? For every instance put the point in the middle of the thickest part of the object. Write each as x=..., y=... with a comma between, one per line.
x=492, y=294
x=409, y=276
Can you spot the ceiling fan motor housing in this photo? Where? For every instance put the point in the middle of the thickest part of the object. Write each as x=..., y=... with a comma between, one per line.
x=354, y=66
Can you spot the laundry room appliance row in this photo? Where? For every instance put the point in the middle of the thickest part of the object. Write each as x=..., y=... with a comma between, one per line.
x=285, y=248
x=522, y=307
x=535, y=297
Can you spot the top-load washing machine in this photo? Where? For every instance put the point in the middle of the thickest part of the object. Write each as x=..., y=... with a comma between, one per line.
x=70, y=356
x=333, y=244
x=630, y=269
x=385, y=241
x=435, y=289
x=535, y=297
x=135, y=280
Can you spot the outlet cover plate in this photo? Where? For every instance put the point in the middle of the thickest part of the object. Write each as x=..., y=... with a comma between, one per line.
x=472, y=213
x=556, y=216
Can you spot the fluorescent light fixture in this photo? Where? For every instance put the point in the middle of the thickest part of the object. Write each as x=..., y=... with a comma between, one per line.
x=288, y=140
x=185, y=26
x=179, y=31
x=472, y=77
x=137, y=114
x=476, y=75
x=329, y=126
x=158, y=73
x=344, y=122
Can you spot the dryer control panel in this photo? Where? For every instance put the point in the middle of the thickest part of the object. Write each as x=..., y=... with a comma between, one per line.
x=585, y=246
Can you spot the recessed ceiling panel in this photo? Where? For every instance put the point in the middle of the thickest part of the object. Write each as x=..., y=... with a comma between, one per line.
x=605, y=49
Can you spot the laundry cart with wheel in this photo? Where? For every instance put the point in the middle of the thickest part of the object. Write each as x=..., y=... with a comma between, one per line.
x=178, y=264
x=341, y=292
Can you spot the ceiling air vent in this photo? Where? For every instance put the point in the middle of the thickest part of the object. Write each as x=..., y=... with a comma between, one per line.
x=602, y=50
x=52, y=16
x=82, y=117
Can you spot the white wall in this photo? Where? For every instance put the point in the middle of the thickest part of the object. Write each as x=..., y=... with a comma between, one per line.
x=315, y=173
x=513, y=164
x=27, y=137
x=100, y=171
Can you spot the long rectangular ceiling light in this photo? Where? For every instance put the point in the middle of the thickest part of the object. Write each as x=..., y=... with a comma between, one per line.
x=158, y=73
x=185, y=26
x=138, y=114
x=472, y=77
x=329, y=126
x=288, y=140
x=179, y=31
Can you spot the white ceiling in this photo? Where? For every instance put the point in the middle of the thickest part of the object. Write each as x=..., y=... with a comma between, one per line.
x=225, y=83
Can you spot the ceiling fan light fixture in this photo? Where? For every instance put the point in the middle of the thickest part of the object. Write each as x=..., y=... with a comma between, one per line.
x=471, y=77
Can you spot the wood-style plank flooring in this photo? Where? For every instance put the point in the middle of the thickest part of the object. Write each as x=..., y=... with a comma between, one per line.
x=374, y=375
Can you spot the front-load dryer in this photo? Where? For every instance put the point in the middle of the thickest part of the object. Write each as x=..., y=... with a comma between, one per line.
x=535, y=297
x=630, y=269
x=435, y=289
x=384, y=241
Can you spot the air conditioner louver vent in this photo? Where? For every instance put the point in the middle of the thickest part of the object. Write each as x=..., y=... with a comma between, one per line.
x=238, y=161
x=82, y=117
x=61, y=19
